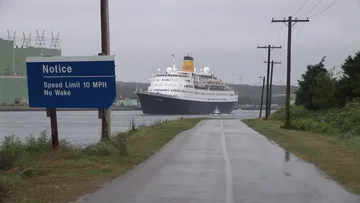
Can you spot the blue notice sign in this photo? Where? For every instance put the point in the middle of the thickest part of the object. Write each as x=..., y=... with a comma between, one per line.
x=71, y=82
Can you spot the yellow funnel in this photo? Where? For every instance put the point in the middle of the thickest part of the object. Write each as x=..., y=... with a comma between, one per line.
x=188, y=65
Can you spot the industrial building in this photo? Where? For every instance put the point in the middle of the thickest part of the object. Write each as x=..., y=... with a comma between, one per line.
x=126, y=102
x=13, y=82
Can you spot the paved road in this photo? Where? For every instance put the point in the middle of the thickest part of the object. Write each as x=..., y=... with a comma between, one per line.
x=222, y=161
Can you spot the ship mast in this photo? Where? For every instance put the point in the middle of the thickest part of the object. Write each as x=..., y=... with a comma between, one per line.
x=174, y=62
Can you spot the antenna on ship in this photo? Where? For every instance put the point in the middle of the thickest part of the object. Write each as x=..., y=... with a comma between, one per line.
x=174, y=62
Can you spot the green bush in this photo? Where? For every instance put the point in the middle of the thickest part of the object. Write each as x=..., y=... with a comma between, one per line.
x=3, y=188
x=114, y=146
x=341, y=122
x=39, y=144
x=13, y=146
x=296, y=112
x=6, y=160
x=30, y=172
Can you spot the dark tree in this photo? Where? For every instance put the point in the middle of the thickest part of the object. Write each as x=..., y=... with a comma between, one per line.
x=316, y=88
x=348, y=86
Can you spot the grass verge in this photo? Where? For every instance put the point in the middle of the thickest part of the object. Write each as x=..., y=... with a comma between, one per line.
x=342, y=123
x=338, y=158
x=34, y=174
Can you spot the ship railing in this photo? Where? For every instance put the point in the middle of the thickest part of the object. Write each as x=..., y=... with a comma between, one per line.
x=217, y=85
x=202, y=88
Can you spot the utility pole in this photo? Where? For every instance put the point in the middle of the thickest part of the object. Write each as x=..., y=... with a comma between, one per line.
x=240, y=79
x=105, y=50
x=269, y=48
x=271, y=82
x=262, y=96
x=290, y=23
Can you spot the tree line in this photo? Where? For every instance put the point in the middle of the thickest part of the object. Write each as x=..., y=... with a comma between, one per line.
x=321, y=88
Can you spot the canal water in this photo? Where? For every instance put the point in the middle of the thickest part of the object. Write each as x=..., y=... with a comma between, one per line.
x=84, y=127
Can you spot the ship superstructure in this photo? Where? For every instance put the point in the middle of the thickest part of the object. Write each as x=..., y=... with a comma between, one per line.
x=187, y=92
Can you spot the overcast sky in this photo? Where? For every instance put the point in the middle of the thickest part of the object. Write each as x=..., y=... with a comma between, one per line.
x=220, y=34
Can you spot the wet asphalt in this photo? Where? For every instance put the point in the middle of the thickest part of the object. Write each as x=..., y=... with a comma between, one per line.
x=222, y=161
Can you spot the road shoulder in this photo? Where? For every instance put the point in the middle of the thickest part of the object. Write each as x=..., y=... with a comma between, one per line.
x=338, y=159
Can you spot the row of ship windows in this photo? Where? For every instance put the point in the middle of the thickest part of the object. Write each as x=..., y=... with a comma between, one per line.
x=183, y=76
x=214, y=99
x=176, y=90
x=182, y=85
x=169, y=80
x=171, y=84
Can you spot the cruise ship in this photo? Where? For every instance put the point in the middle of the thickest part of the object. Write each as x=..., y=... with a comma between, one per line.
x=187, y=92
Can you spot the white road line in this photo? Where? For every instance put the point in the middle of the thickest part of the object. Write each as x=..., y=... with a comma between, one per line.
x=228, y=168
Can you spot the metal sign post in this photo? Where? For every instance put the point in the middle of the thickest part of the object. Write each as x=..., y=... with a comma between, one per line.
x=51, y=112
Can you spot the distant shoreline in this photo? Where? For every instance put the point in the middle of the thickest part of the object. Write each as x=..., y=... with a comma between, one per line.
x=17, y=109
x=258, y=108
x=24, y=109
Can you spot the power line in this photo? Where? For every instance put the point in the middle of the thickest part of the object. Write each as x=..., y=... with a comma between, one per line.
x=311, y=10
x=279, y=34
x=301, y=7
x=268, y=35
x=269, y=30
x=331, y=5
x=284, y=41
x=301, y=28
x=303, y=25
